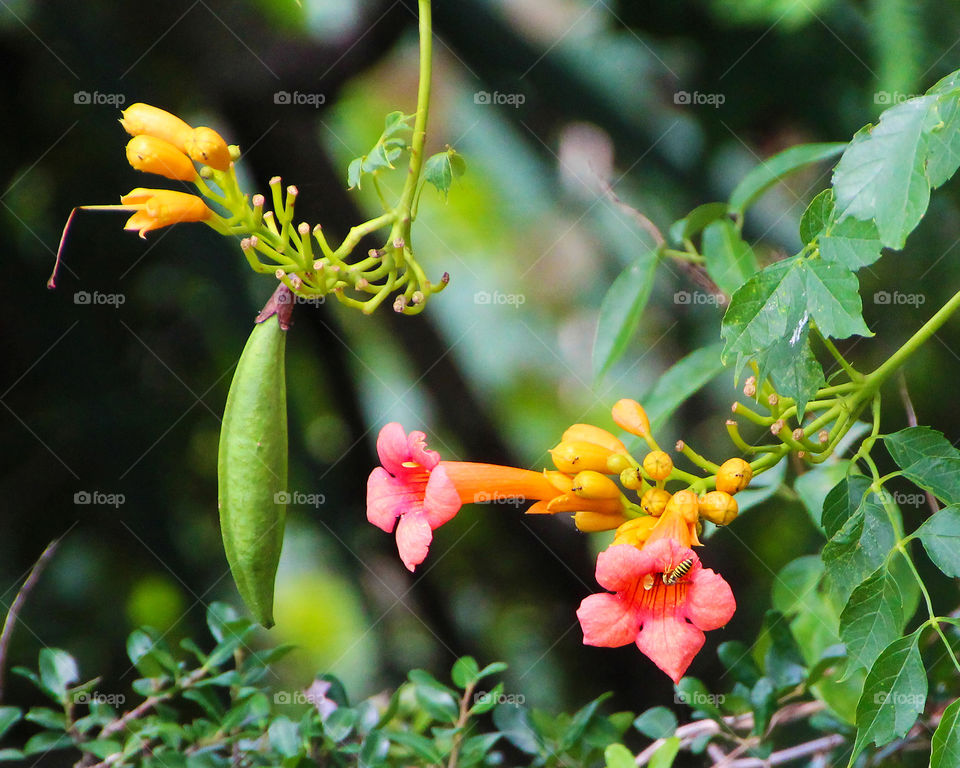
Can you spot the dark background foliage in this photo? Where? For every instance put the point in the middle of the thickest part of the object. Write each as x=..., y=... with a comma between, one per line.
x=126, y=400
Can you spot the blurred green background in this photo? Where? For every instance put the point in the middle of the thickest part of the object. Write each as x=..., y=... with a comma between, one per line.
x=126, y=399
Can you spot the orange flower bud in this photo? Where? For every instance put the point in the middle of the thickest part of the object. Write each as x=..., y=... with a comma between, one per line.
x=719, y=507
x=684, y=504
x=142, y=119
x=589, y=521
x=734, y=475
x=153, y=155
x=658, y=465
x=156, y=208
x=634, y=532
x=654, y=501
x=570, y=502
x=207, y=146
x=587, y=433
x=559, y=480
x=629, y=415
x=574, y=456
x=593, y=485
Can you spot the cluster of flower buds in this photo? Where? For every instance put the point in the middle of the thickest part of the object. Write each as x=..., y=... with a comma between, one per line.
x=270, y=239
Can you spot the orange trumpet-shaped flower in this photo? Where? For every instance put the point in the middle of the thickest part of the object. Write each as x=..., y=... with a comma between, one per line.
x=156, y=208
x=413, y=486
x=143, y=119
x=153, y=155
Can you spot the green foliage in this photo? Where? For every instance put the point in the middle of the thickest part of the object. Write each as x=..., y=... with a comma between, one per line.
x=621, y=310
x=442, y=168
x=384, y=153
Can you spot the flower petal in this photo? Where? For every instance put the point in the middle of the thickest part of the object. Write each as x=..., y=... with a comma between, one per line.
x=670, y=643
x=413, y=539
x=441, y=499
x=388, y=497
x=607, y=621
x=619, y=568
x=392, y=448
x=417, y=451
x=710, y=603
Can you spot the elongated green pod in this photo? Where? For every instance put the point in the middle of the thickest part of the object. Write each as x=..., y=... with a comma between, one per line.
x=252, y=464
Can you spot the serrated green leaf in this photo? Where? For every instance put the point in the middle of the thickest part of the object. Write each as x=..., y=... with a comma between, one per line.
x=943, y=157
x=778, y=167
x=730, y=261
x=945, y=745
x=814, y=487
x=683, y=379
x=621, y=310
x=872, y=618
x=656, y=723
x=794, y=368
x=766, y=309
x=815, y=218
x=694, y=222
x=940, y=536
x=442, y=168
x=354, y=173
x=928, y=459
x=858, y=548
x=833, y=299
x=842, y=503
x=851, y=243
x=894, y=694
x=882, y=174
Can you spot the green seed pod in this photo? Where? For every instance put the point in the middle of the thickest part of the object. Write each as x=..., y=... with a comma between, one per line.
x=252, y=465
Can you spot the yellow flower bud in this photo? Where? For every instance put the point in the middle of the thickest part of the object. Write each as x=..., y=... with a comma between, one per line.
x=207, y=146
x=587, y=433
x=684, y=504
x=654, y=501
x=658, y=465
x=153, y=155
x=734, y=475
x=574, y=456
x=629, y=415
x=617, y=463
x=142, y=119
x=634, y=532
x=632, y=479
x=156, y=208
x=558, y=480
x=593, y=485
x=589, y=521
x=719, y=507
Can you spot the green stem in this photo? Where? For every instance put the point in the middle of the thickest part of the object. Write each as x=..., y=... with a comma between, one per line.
x=854, y=374
x=404, y=209
x=873, y=380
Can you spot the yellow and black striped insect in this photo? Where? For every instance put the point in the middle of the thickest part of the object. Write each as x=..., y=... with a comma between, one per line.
x=675, y=574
